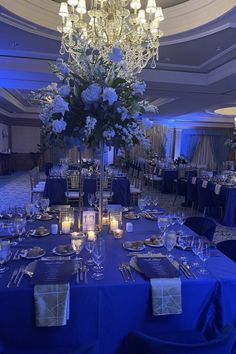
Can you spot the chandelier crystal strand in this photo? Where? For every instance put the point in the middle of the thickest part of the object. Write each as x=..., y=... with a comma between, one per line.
x=104, y=24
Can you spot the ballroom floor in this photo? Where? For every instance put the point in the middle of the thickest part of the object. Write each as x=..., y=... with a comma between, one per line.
x=15, y=191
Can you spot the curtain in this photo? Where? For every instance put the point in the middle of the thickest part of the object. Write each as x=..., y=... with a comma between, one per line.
x=157, y=136
x=188, y=145
x=204, y=153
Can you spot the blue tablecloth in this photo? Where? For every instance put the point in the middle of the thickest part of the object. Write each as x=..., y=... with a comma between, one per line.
x=168, y=179
x=55, y=189
x=102, y=313
x=226, y=198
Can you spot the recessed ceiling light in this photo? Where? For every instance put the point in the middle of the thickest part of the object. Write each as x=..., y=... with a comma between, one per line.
x=226, y=111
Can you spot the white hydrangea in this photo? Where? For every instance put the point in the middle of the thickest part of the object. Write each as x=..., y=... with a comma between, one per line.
x=58, y=125
x=109, y=94
x=59, y=105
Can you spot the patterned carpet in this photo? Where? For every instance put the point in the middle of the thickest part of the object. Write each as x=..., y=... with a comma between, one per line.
x=15, y=191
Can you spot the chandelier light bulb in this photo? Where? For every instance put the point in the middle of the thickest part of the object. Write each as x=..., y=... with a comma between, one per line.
x=63, y=12
x=151, y=7
x=159, y=14
x=73, y=2
x=135, y=4
x=81, y=8
x=142, y=16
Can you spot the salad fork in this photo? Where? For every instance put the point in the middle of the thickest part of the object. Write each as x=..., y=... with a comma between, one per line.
x=128, y=269
x=122, y=270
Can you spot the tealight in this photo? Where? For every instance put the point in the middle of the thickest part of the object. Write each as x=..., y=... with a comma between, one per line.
x=118, y=233
x=91, y=235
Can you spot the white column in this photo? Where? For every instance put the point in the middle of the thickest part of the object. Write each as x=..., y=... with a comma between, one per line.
x=177, y=140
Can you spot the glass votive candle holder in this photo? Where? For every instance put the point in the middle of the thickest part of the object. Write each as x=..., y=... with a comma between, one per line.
x=118, y=233
x=91, y=235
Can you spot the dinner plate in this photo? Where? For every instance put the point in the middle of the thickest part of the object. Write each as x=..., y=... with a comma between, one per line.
x=134, y=245
x=132, y=216
x=157, y=243
x=31, y=253
x=34, y=233
x=44, y=217
x=63, y=250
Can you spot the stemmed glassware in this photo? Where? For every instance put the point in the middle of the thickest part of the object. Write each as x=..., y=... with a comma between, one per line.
x=20, y=224
x=163, y=223
x=98, y=256
x=169, y=239
x=204, y=254
x=30, y=211
x=77, y=242
x=44, y=204
x=91, y=199
x=4, y=254
x=89, y=245
x=141, y=204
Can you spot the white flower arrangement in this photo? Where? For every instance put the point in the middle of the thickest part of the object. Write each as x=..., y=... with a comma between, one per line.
x=96, y=99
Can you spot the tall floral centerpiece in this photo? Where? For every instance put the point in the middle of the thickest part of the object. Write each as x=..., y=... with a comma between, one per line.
x=97, y=102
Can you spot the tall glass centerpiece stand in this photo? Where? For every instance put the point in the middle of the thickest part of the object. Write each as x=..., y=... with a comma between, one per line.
x=80, y=194
x=100, y=212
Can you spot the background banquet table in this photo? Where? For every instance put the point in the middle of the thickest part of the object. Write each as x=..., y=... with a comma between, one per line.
x=55, y=189
x=226, y=198
x=103, y=312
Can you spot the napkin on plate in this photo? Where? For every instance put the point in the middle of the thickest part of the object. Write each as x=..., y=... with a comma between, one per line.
x=204, y=184
x=217, y=189
x=52, y=304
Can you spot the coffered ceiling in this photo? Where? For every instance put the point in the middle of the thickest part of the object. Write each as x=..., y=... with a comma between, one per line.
x=196, y=71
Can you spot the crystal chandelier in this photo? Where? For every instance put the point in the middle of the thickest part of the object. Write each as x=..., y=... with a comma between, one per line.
x=112, y=23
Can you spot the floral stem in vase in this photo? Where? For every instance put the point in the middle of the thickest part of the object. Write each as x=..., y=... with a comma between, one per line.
x=80, y=190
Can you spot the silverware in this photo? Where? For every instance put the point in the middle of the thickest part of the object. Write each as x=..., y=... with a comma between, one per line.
x=15, y=271
x=20, y=277
x=190, y=271
x=183, y=270
x=77, y=274
x=123, y=273
x=15, y=257
x=85, y=269
x=81, y=274
x=128, y=270
x=18, y=274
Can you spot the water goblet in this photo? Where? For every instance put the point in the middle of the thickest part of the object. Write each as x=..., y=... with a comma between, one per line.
x=30, y=211
x=20, y=224
x=44, y=204
x=163, y=223
x=89, y=245
x=11, y=229
x=169, y=239
x=141, y=204
x=204, y=254
x=98, y=256
x=91, y=199
x=4, y=254
x=77, y=243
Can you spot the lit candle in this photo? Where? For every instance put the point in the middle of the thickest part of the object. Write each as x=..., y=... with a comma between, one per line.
x=91, y=235
x=105, y=220
x=113, y=224
x=65, y=227
x=118, y=233
x=129, y=227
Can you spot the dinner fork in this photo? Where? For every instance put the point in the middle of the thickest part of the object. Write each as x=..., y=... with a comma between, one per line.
x=121, y=268
x=128, y=270
x=20, y=277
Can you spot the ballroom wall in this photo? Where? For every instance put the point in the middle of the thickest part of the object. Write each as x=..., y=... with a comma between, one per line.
x=4, y=139
x=25, y=139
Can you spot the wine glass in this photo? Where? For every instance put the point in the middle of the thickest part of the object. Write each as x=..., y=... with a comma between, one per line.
x=44, y=204
x=77, y=243
x=30, y=211
x=204, y=254
x=163, y=223
x=20, y=224
x=11, y=229
x=169, y=239
x=4, y=254
x=89, y=245
x=98, y=256
x=91, y=199
x=141, y=204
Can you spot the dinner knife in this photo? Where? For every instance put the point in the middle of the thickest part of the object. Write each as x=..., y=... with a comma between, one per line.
x=12, y=277
x=20, y=277
x=18, y=274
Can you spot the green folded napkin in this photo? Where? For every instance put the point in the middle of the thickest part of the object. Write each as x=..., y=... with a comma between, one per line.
x=51, y=304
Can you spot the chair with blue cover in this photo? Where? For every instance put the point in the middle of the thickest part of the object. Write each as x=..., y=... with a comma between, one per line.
x=186, y=342
x=228, y=247
x=202, y=226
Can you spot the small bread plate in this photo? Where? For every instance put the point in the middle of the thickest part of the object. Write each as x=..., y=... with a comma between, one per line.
x=44, y=217
x=33, y=253
x=150, y=216
x=63, y=250
x=153, y=241
x=134, y=245
x=131, y=215
x=40, y=232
